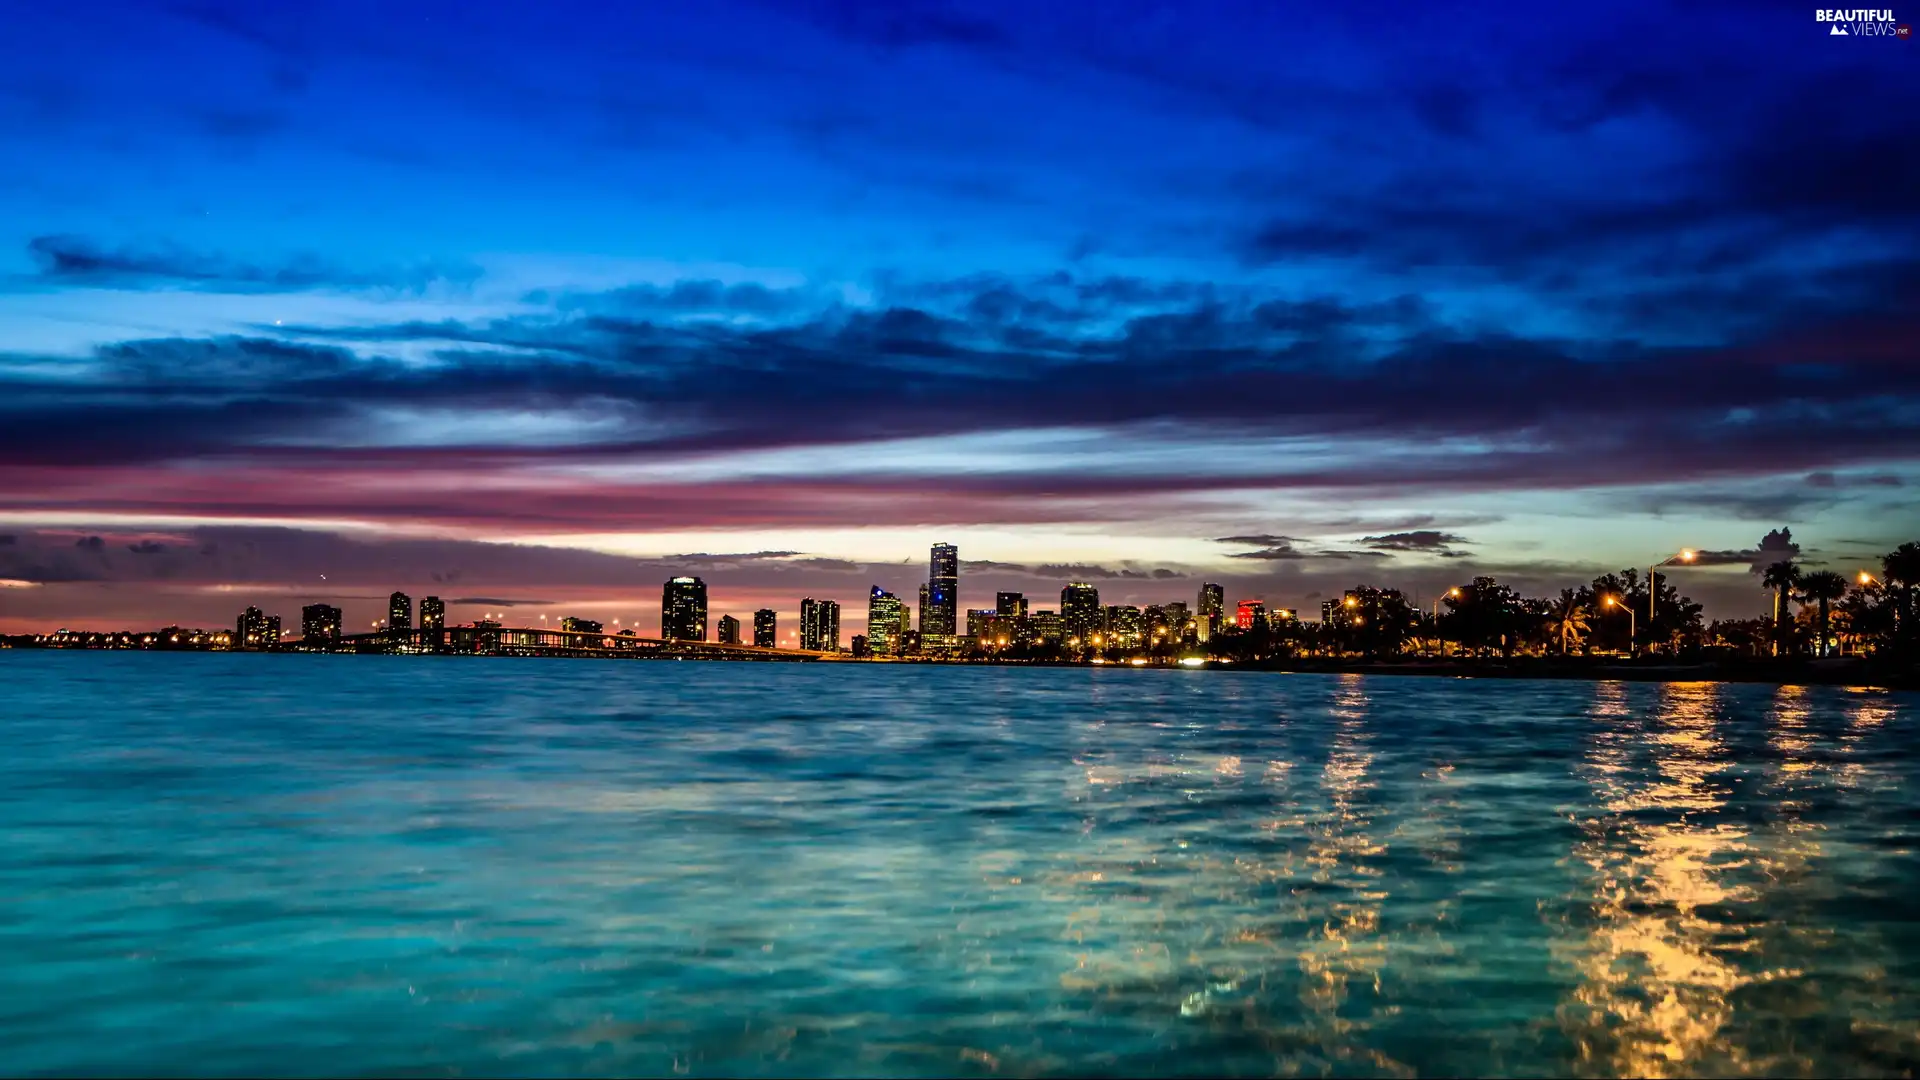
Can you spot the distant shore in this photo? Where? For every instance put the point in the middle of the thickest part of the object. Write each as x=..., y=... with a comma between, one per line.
x=1837, y=672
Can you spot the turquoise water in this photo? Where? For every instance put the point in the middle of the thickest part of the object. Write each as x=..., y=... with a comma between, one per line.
x=300, y=865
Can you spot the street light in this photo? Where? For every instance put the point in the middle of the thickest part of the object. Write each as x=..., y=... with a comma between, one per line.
x=1632, y=630
x=1684, y=555
x=1455, y=591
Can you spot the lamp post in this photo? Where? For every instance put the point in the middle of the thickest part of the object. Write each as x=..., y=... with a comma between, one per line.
x=1439, y=646
x=1632, y=630
x=1684, y=555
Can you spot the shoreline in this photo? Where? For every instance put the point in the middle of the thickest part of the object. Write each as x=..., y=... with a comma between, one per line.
x=1849, y=672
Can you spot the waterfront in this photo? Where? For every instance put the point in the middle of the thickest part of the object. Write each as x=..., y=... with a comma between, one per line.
x=313, y=864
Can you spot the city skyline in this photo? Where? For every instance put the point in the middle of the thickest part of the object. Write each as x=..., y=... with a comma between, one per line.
x=317, y=302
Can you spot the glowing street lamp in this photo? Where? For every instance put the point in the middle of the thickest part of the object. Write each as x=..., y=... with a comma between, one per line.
x=1453, y=592
x=1632, y=631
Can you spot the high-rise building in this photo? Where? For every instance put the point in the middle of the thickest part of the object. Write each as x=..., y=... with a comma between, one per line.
x=683, y=609
x=1124, y=625
x=250, y=629
x=399, y=612
x=885, y=619
x=1250, y=615
x=940, y=610
x=860, y=647
x=729, y=630
x=925, y=588
x=1047, y=626
x=571, y=624
x=270, y=633
x=1011, y=604
x=320, y=623
x=433, y=613
x=1212, y=607
x=1178, y=621
x=978, y=619
x=764, y=634
x=1080, y=613
x=820, y=625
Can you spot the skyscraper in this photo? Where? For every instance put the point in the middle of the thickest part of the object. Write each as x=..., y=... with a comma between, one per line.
x=433, y=614
x=940, y=609
x=251, y=628
x=1011, y=604
x=1211, y=609
x=764, y=634
x=925, y=588
x=683, y=609
x=884, y=615
x=320, y=623
x=729, y=630
x=399, y=612
x=820, y=625
x=1081, y=615
x=1250, y=615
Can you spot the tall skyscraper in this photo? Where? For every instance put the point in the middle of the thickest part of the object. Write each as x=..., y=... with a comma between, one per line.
x=729, y=630
x=320, y=623
x=250, y=629
x=764, y=633
x=433, y=614
x=1081, y=615
x=925, y=588
x=683, y=609
x=885, y=613
x=1211, y=609
x=820, y=625
x=1011, y=604
x=1250, y=615
x=940, y=610
x=270, y=632
x=399, y=612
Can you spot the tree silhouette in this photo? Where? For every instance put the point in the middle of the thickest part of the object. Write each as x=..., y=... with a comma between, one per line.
x=1780, y=578
x=1822, y=587
x=1570, y=620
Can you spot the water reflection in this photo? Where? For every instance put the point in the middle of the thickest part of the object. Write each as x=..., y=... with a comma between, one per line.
x=1658, y=961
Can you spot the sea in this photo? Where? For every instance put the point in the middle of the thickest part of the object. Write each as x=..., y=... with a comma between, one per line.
x=269, y=865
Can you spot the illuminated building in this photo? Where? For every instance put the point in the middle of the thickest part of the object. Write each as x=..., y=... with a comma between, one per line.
x=1124, y=625
x=251, y=630
x=270, y=633
x=940, y=604
x=978, y=619
x=860, y=647
x=320, y=622
x=683, y=609
x=1011, y=604
x=1251, y=615
x=433, y=613
x=399, y=612
x=1047, y=626
x=569, y=624
x=886, y=618
x=925, y=588
x=820, y=625
x=729, y=630
x=763, y=628
x=1177, y=617
x=1211, y=609
x=1081, y=615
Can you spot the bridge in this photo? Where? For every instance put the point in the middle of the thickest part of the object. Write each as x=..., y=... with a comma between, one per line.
x=539, y=641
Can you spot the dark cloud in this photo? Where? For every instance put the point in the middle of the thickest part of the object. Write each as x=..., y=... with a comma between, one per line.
x=7, y=539
x=1271, y=539
x=79, y=261
x=1777, y=545
x=1420, y=541
x=495, y=601
x=90, y=543
x=147, y=547
x=1277, y=552
x=749, y=556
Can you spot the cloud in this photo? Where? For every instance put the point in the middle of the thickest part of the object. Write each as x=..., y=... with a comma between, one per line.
x=8, y=539
x=1270, y=539
x=147, y=547
x=1275, y=553
x=74, y=260
x=90, y=543
x=1777, y=545
x=1419, y=541
x=495, y=601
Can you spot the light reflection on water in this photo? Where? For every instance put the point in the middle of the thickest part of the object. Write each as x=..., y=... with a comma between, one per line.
x=697, y=869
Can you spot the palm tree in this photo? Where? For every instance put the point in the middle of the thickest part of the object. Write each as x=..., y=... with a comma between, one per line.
x=1822, y=587
x=1570, y=620
x=1780, y=577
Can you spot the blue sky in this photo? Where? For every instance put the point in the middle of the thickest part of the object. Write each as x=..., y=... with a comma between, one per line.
x=369, y=290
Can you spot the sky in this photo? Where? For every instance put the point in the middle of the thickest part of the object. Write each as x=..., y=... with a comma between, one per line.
x=533, y=306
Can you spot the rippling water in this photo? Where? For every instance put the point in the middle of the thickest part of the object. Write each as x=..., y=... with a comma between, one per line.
x=325, y=865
